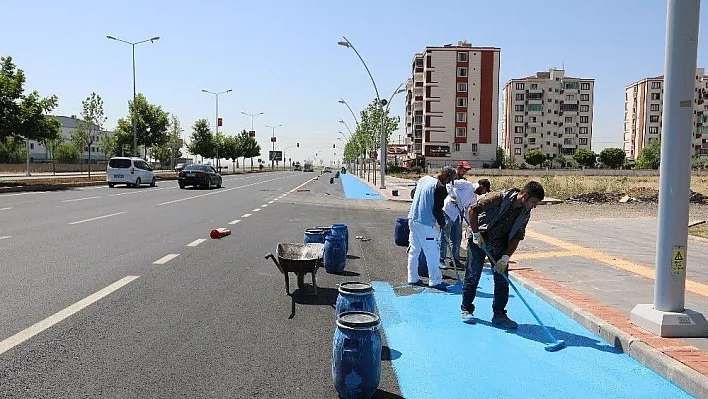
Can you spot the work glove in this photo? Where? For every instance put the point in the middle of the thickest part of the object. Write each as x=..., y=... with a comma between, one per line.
x=476, y=237
x=502, y=264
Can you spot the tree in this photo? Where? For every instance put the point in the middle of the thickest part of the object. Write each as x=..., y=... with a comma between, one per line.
x=586, y=158
x=613, y=157
x=534, y=157
x=251, y=148
x=231, y=149
x=151, y=125
x=168, y=151
x=90, y=126
x=650, y=156
x=66, y=153
x=108, y=144
x=202, y=140
x=12, y=150
x=371, y=122
x=52, y=143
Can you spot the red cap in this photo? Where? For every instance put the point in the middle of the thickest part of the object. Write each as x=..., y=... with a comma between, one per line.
x=463, y=164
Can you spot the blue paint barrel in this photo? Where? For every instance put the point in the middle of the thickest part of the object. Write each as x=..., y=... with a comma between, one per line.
x=326, y=229
x=340, y=228
x=355, y=296
x=422, y=265
x=356, y=355
x=401, y=232
x=335, y=254
x=315, y=236
x=336, y=175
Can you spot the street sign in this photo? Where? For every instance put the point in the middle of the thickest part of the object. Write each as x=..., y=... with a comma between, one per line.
x=437, y=150
x=252, y=134
x=278, y=156
x=219, y=121
x=272, y=139
x=678, y=260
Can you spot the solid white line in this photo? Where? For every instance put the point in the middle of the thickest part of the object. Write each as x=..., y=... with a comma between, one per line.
x=196, y=242
x=234, y=221
x=5, y=237
x=97, y=218
x=245, y=215
x=256, y=210
x=80, y=199
x=221, y=191
x=50, y=321
x=165, y=259
x=25, y=193
x=6, y=209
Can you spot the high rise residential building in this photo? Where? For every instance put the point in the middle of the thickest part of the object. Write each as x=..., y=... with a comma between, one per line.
x=643, y=113
x=548, y=111
x=452, y=102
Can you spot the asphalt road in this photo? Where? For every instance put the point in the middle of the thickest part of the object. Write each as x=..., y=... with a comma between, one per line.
x=121, y=293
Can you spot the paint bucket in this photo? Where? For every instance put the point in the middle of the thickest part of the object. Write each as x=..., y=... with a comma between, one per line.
x=401, y=231
x=356, y=355
x=355, y=296
x=314, y=236
x=335, y=255
x=394, y=193
x=340, y=228
x=336, y=175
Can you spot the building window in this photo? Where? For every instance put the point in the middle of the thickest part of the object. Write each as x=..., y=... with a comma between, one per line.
x=584, y=108
x=517, y=151
x=461, y=72
x=418, y=147
x=461, y=132
x=655, y=96
x=519, y=86
x=518, y=129
x=519, y=97
x=519, y=108
x=462, y=116
x=656, y=85
x=519, y=118
x=585, y=86
x=462, y=56
x=568, y=119
x=583, y=141
x=584, y=119
x=583, y=130
x=418, y=62
x=31, y=146
x=654, y=130
x=532, y=140
x=569, y=97
x=654, y=107
x=418, y=134
x=584, y=97
x=518, y=140
x=569, y=130
x=418, y=119
x=535, y=107
x=457, y=147
x=654, y=118
x=461, y=101
x=474, y=147
x=534, y=86
x=462, y=87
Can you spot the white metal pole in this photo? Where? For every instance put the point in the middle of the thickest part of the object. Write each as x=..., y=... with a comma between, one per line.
x=675, y=169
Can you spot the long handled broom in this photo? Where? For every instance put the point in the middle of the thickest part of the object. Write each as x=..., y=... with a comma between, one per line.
x=555, y=344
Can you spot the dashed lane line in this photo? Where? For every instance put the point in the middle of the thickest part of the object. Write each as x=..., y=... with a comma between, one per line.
x=165, y=259
x=234, y=221
x=245, y=215
x=97, y=218
x=82, y=199
x=196, y=242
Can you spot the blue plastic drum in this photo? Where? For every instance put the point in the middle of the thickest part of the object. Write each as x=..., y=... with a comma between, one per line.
x=335, y=254
x=401, y=231
x=355, y=296
x=314, y=236
x=339, y=228
x=356, y=355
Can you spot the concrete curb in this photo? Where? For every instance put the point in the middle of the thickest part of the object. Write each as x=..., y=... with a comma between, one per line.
x=683, y=376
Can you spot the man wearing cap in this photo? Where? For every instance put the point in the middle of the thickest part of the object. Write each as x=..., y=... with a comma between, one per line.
x=462, y=168
x=427, y=210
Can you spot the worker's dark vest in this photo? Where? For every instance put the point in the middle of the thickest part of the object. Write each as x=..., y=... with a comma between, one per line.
x=488, y=219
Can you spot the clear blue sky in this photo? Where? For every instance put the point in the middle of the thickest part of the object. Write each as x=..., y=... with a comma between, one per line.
x=282, y=58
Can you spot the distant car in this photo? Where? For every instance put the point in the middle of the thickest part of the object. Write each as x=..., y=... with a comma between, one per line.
x=130, y=171
x=307, y=167
x=298, y=166
x=199, y=175
x=179, y=167
x=327, y=169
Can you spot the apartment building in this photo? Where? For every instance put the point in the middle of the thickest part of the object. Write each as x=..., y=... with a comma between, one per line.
x=548, y=111
x=39, y=152
x=643, y=114
x=452, y=102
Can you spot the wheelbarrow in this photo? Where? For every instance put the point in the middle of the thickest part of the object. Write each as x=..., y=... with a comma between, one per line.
x=299, y=259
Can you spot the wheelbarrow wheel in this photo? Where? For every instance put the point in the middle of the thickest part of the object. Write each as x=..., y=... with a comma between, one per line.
x=301, y=280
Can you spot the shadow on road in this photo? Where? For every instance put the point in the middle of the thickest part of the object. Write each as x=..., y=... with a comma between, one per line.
x=325, y=297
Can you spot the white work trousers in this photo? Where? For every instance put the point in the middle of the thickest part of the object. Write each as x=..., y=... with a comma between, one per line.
x=427, y=239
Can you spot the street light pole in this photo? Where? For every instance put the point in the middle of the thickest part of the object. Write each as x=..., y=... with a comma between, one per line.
x=252, y=115
x=134, y=111
x=272, y=141
x=216, y=125
x=341, y=101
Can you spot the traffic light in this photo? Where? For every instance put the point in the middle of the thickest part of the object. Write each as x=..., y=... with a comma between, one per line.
x=298, y=145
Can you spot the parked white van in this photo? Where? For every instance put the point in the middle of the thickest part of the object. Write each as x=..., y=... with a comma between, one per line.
x=130, y=171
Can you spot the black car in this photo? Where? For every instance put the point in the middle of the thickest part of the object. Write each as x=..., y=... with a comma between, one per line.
x=199, y=175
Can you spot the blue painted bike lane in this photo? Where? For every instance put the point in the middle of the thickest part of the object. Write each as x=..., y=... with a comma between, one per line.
x=357, y=189
x=436, y=355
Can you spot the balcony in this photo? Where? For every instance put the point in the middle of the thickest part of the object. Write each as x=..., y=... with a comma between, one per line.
x=418, y=106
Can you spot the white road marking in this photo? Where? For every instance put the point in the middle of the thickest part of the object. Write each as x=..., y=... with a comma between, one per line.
x=271, y=201
x=143, y=191
x=6, y=209
x=25, y=193
x=234, y=221
x=5, y=237
x=50, y=321
x=90, y=188
x=97, y=218
x=245, y=215
x=221, y=191
x=196, y=242
x=165, y=259
x=81, y=199
x=264, y=206
x=256, y=210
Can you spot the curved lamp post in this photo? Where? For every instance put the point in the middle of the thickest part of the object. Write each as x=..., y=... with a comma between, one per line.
x=133, y=44
x=216, y=126
x=341, y=101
